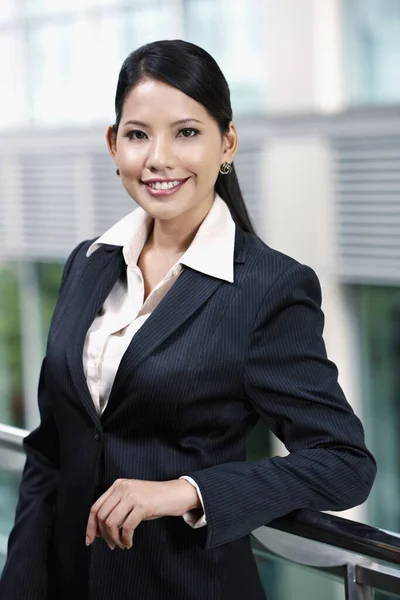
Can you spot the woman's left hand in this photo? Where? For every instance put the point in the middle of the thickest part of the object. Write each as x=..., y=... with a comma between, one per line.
x=118, y=512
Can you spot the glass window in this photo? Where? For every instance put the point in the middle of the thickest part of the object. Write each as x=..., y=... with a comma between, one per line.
x=49, y=277
x=75, y=68
x=47, y=8
x=11, y=465
x=230, y=32
x=75, y=64
x=380, y=352
x=154, y=21
x=24, y=333
x=372, y=50
x=50, y=49
x=11, y=394
x=8, y=11
x=13, y=96
x=96, y=55
x=259, y=443
x=202, y=22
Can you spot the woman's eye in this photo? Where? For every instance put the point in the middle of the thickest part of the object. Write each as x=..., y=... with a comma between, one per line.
x=136, y=134
x=189, y=132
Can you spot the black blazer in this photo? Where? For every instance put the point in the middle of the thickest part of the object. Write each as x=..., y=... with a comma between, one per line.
x=211, y=359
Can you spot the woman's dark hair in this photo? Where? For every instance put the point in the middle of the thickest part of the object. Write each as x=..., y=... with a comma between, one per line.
x=194, y=72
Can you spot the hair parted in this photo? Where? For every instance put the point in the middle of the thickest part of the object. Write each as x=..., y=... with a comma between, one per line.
x=194, y=72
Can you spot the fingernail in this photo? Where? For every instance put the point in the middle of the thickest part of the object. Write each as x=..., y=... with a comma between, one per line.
x=111, y=547
x=88, y=541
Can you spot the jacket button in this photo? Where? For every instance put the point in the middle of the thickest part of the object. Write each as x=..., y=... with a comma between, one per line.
x=96, y=434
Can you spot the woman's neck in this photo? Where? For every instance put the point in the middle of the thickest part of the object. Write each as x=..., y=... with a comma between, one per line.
x=176, y=235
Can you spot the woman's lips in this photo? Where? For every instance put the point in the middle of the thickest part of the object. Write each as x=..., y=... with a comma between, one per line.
x=154, y=192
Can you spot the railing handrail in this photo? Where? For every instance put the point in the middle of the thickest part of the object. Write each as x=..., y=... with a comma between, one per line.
x=343, y=536
x=12, y=437
x=352, y=536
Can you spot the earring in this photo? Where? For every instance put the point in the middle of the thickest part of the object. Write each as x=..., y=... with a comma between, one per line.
x=226, y=168
x=117, y=171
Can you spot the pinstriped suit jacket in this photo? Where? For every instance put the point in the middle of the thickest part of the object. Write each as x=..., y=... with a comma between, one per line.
x=211, y=360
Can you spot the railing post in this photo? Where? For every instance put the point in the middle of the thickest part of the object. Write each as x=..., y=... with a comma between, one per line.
x=353, y=589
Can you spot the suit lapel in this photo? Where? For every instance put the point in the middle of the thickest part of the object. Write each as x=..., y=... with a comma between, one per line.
x=188, y=294
x=191, y=290
x=103, y=269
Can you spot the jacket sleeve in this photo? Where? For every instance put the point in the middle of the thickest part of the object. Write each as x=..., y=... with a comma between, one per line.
x=25, y=572
x=294, y=388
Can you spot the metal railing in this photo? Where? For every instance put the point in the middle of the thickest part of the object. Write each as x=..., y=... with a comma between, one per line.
x=364, y=558
x=11, y=437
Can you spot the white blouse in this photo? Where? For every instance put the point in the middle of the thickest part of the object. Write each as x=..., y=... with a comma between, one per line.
x=125, y=311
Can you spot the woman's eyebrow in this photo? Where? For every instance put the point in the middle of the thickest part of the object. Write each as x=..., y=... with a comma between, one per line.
x=183, y=121
x=179, y=122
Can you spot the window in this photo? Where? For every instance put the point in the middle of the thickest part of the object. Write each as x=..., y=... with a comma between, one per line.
x=154, y=21
x=75, y=62
x=63, y=58
x=380, y=351
x=8, y=11
x=13, y=96
x=372, y=50
x=75, y=69
x=28, y=294
x=11, y=394
x=229, y=32
x=49, y=8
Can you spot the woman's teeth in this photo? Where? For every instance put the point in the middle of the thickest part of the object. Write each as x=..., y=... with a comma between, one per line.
x=164, y=185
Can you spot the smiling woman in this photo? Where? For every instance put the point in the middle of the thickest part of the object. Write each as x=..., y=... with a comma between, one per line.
x=174, y=333
x=175, y=125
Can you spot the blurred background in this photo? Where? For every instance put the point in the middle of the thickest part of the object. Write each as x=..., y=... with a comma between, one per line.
x=316, y=95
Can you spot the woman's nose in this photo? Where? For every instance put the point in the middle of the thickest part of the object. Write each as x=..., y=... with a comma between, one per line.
x=160, y=155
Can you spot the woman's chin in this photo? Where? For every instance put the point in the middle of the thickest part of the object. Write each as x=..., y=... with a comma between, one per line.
x=163, y=207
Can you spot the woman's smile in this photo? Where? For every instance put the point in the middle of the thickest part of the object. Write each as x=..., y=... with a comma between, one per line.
x=164, y=187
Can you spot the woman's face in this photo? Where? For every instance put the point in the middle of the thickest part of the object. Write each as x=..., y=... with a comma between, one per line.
x=169, y=150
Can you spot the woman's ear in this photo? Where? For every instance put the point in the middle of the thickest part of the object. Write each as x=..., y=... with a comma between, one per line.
x=111, y=138
x=230, y=143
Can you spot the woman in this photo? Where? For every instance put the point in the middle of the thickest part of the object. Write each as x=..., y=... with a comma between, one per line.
x=174, y=332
